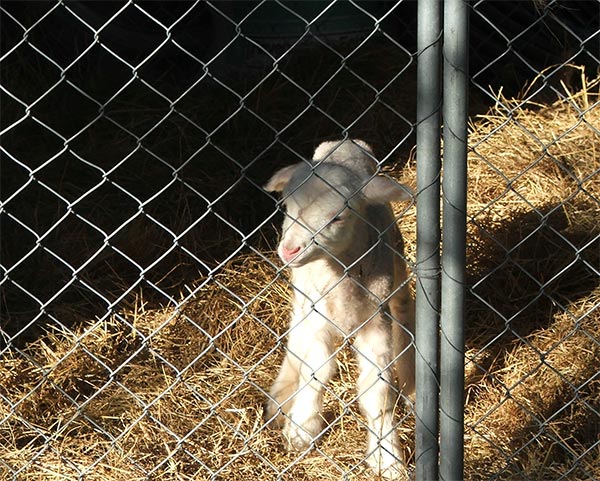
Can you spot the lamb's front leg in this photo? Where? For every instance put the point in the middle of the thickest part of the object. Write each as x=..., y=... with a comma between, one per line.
x=282, y=391
x=377, y=396
x=311, y=345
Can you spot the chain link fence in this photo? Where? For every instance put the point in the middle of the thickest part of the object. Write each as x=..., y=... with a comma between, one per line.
x=144, y=310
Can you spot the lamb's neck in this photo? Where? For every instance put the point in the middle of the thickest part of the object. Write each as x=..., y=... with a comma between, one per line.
x=325, y=272
x=321, y=273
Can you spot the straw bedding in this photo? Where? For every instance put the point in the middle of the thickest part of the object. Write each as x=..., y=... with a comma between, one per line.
x=178, y=393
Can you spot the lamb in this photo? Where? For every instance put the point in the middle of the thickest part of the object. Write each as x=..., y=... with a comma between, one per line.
x=344, y=250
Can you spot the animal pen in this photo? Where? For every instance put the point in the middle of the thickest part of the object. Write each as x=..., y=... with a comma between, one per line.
x=144, y=311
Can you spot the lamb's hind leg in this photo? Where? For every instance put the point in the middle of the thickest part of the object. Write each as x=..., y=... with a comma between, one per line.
x=403, y=327
x=377, y=396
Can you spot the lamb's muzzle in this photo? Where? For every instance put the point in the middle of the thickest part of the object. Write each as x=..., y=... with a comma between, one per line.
x=288, y=254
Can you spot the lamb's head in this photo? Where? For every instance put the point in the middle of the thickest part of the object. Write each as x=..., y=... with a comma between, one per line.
x=326, y=202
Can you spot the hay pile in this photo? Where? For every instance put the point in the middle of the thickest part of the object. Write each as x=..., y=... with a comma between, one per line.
x=534, y=325
x=177, y=393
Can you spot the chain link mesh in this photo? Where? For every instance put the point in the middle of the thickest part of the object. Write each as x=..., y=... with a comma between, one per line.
x=144, y=311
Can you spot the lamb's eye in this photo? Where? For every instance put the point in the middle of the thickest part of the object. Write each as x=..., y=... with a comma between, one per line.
x=337, y=218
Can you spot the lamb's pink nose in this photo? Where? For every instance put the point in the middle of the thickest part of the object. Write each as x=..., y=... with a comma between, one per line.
x=289, y=254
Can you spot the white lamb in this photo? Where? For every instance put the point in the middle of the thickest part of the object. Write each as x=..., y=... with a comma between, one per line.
x=343, y=247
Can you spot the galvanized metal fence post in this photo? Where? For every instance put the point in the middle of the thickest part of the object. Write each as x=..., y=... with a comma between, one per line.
x=428, y=239
x=454, y=188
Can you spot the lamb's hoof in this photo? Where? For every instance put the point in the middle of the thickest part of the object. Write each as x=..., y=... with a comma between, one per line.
x=387, y=465
x=302, y=436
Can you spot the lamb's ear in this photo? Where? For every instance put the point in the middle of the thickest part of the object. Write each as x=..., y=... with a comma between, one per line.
x=382, y=189
x=281, y=178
